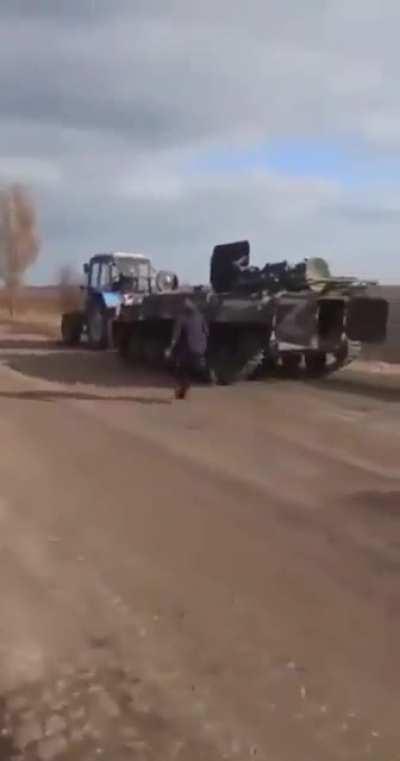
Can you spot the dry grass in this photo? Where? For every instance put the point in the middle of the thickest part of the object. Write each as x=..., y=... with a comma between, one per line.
x=37, y=314
x=32, y=322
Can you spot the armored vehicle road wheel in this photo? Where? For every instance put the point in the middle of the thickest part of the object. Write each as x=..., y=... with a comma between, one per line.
x=236, y=358
x=266, y=368
x=71, y=328
x=316, y=363
x=348, y=353
x=99, y=323
x=221, y=365
x=291, y=361
x=251, y=355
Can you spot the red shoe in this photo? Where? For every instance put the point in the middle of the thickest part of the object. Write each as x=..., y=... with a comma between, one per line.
x=181, y=392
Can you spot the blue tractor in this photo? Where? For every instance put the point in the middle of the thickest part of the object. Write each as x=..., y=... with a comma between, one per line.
x=112, y=280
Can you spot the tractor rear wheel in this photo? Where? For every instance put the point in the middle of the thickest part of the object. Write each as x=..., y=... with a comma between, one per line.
x=71, y=328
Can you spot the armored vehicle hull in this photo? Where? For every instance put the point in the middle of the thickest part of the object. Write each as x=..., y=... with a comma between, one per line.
x=318, y=325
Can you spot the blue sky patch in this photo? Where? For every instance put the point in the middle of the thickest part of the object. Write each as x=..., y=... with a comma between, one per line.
x=349, y=164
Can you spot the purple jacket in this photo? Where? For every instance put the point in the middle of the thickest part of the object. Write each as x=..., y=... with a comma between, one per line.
x=191, y=334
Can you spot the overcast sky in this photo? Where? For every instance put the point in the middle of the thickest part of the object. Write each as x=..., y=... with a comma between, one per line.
x=166, y=126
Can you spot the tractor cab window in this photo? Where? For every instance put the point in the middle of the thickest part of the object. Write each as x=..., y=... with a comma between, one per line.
x=115, y=276
x=94, y=275
x=104, y=279
x=117, y=280
x=135, y=273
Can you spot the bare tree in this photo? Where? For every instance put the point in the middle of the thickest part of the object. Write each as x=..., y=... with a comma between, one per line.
x=69, y=293
x=19, y=240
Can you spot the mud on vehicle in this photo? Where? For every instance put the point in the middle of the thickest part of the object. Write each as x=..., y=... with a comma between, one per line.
x=288, y=315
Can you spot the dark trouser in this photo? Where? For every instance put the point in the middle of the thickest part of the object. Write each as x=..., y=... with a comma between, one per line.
x=190, y=366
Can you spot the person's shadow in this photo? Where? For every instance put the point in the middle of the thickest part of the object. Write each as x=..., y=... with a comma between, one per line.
x=103, y=370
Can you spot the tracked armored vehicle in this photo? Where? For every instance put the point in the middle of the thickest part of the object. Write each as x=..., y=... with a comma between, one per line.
x=290, y=316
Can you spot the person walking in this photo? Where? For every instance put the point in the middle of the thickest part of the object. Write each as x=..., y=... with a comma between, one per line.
x=189, y=347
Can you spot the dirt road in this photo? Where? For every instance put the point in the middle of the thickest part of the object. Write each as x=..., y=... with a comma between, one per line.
x=216, y=579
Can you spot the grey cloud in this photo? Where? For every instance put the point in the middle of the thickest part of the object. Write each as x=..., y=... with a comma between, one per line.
x=63, y=11
x=368, y=214
x=282, y=219
x=108, y=103
x=161, y=78
x=195, y=69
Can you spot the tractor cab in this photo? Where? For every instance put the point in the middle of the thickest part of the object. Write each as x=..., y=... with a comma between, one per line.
x=113, y=280
x=119, y=274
